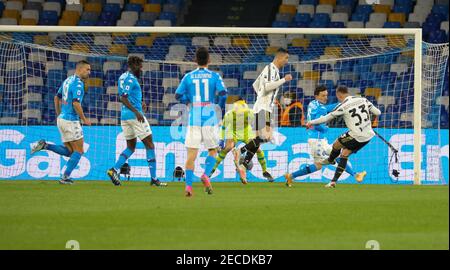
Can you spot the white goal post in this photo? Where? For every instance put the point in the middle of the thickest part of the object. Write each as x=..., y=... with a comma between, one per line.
x=415, y=33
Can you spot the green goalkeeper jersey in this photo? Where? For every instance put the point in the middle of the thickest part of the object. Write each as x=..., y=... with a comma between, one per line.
x=237, y=126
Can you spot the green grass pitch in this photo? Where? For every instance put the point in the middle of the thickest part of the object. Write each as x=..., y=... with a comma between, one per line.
x=45, y=215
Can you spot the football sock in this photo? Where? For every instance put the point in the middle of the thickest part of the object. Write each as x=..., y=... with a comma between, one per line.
x=151, y=162
x=58, y=149
x=72, y=163
x=262, y=160
x=304, y=170
x=340, y=168
x=123, y=158
x=189, y=177
x=209, y=164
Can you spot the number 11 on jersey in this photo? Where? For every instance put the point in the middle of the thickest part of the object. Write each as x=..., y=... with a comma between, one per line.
x=198, y=95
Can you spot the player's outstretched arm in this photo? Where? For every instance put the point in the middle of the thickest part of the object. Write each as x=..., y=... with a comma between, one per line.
x=318, y=121
x=79, y=111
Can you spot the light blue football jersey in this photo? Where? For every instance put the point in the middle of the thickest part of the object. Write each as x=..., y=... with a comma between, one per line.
x=71, y=90
x=129, y=87
x=200, y=87
x=316, y=110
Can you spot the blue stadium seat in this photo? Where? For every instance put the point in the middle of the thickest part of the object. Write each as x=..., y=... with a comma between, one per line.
x=168, y=16
x=302, y=17
x=392, y=25
x=360, y=17
x=113, y=8
x=278, y=24
x=48, y=17
x=346, y=2
x=144, y=23
x=364, y=9
x=440, y=9
x=86, y=23
x=402, y=9
x=133, y=7
x=299, y=24
x=310, y=2
x=336, y=25
x=438, y=36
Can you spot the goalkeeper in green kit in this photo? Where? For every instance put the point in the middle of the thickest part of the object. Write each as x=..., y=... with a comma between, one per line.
x=236, y=129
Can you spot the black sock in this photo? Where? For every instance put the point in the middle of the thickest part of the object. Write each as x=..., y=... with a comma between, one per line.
x=252, y=148
x=333, y=155
x=340, y=168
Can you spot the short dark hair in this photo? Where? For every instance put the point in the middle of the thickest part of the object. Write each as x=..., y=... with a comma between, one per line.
x=342, y=89
x=202, y=56
x=82, y=63
x=282, y=50
x=134, y=61
x=319, y=88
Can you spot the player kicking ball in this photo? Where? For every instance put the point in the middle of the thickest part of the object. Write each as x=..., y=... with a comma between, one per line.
x=236, y=128
x=199, y=89
x=133, y=122
x=317, y=141
x=356, y=113
x=266, y=86
x=69, y=112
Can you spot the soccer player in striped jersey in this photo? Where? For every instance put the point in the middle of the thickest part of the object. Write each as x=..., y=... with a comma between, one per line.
x=69, y=111
x=266, y=86
x=133, y=122
x=236, y=128
x=356, y=113
x=199, y=88
x=318, y=143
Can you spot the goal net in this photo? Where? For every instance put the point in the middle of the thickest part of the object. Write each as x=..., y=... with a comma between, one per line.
x=382, y=65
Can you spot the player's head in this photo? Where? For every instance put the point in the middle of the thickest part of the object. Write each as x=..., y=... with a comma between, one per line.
x=321, y=94
x=135, y=65
x=202, y=57
x=83, y=69
x=240, y=105
x=341, y=93
x=281, y=58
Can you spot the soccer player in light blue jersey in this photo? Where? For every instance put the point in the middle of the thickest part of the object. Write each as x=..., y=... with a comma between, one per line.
x=133, y=122
x=318, y=143
x=69, y=111
x=199, y=89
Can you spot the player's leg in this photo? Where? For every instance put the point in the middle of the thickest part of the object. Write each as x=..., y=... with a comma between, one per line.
x=229, y=145
x=64, y=150
x=130, y=137
x=335, y=152
x=263, y=134
x=317, y=150
x=209, y=139
x=192, y=143
x=74, y=159
x=236, y=159
x=340, y=167
x=190, y=166
x=262, y=161
x=151, y=159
